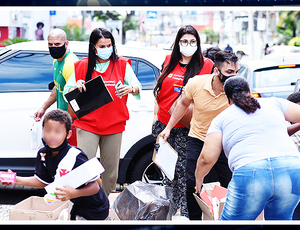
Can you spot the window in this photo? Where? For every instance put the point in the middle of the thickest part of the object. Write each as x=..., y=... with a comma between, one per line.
x=26, y=72
x=146, y=75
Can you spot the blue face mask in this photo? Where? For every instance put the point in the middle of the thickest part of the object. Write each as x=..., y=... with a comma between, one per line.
x=104, y=53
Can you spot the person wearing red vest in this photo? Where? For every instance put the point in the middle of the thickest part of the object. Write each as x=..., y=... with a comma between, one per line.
x=185, y=61
x=104, y=126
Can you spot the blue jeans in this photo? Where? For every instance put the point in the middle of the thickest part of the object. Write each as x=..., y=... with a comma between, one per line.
x=272, y=185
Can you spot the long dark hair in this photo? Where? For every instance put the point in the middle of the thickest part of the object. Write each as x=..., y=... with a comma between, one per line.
x=193, y=68
x=94, y=38
x=237, y=89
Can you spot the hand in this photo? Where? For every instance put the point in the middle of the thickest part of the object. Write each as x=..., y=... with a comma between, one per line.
x=39, y=114
x=123, y=90
x=80, y=84
x=198, y=186
x=165, y=134
x=65, y=193
x=6, y=183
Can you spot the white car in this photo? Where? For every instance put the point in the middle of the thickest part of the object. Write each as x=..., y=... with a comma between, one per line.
x=25, y=83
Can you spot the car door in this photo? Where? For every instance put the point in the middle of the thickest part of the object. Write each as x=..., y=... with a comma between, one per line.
x=24, y=87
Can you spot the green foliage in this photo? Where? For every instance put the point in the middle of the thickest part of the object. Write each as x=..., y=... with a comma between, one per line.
x=211, y=35
x=101, y=16
x=15, y=40
x=132, y=24
x=288, y=26
x=74, y=33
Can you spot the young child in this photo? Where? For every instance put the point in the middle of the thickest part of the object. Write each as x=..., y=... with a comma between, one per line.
x=58, y=158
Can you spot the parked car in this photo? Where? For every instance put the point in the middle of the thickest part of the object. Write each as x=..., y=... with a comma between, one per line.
x=25, y=83
x=271, y=77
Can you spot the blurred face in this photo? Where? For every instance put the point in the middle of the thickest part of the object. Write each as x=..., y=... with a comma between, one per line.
x=54, y=133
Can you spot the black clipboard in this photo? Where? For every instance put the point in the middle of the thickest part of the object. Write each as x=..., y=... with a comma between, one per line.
x=95, y=96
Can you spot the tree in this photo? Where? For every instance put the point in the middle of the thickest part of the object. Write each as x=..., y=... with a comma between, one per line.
x=74, y=33
x=128, y=22
x=211, y=35
x=288, y=26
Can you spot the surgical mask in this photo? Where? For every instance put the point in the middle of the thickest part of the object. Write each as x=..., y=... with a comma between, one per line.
x=57, y=52
x=188, y=50
x=104, y=53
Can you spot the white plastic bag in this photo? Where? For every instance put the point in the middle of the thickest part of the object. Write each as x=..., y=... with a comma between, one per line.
x=36, y=135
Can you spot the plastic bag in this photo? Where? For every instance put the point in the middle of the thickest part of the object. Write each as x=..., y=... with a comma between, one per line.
x=142, y=201
x=36, y=136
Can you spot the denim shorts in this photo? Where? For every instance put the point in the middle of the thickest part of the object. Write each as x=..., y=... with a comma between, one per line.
x=271, y=184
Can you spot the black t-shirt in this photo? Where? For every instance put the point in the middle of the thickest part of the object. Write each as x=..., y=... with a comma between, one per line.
x=95, y=207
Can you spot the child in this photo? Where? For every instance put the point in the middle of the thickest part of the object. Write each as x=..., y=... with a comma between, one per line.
x=58, y=158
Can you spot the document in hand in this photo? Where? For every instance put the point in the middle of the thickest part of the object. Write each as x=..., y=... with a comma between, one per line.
x=95, y=96
x=165, y=157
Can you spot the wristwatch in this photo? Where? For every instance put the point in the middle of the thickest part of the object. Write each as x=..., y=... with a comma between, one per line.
x=133, y=89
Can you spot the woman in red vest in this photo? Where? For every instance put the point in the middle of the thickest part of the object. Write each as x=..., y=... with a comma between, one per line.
x=104, y=126
x=185, y=62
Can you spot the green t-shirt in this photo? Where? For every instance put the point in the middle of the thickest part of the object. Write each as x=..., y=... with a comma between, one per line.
x=62, y=70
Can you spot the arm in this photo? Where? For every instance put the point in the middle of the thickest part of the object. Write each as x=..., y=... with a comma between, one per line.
x=27, y=181
x=40, y=113
x=209, y=155
x=293, y=129
x=156, y=108
x=292, y=113
x=131, y=83
x=177, y=114
x=67, y=192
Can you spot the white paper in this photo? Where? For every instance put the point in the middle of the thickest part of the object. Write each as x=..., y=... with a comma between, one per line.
x=166, y=159
x=79, y=176
x=216, y=204
x=74, y=105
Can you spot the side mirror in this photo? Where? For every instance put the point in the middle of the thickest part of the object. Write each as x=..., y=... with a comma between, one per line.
x=297, y=86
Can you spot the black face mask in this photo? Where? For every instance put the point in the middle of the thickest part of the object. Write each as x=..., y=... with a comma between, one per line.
x=224, y=78
x=57, y=52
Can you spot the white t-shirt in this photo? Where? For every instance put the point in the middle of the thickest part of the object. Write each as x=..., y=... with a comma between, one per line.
x=251, y=137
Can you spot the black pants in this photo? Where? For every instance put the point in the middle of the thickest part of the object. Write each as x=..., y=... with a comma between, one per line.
x=220, y=172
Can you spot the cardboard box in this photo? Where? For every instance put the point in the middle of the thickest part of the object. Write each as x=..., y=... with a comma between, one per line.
x=34, y=208
x=213, y=201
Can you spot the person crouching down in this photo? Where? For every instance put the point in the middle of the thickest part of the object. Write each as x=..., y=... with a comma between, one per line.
x=58, y=158
x=263, y=158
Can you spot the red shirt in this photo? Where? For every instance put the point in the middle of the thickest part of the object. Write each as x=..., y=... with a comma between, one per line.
x=171, y=87
x=110, y=118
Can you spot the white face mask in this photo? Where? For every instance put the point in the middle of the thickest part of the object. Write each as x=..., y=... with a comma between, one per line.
x=188, y=50
x=104, y=53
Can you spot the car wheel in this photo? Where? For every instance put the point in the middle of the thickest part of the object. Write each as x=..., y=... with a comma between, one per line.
x=146, y=170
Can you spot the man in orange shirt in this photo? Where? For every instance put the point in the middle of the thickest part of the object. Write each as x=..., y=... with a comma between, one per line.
x=209, y=98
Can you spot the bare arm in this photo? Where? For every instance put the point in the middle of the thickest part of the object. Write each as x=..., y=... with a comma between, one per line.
x=67, y=192
x=208, y=157
x=177, y=114
x=292, y=113
x=293, y=129
x=156, y=108
x=40, y=113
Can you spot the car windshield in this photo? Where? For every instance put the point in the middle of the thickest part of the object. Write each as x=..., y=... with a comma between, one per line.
x=275, y=77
